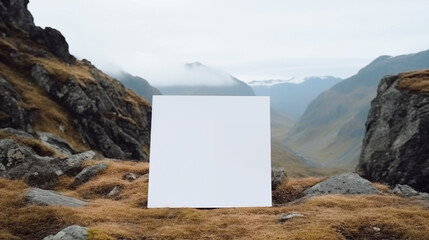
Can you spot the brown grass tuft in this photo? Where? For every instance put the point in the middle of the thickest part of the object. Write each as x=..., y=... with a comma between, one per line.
x=292, y=188
x=417, y=81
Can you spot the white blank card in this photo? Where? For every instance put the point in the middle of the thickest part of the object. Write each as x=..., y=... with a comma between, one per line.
x=210, y=152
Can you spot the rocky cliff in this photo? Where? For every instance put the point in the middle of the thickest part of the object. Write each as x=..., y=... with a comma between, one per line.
x=45, y=89
x=395, y=148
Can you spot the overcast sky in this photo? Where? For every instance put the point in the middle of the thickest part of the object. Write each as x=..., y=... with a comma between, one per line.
x=252, y=40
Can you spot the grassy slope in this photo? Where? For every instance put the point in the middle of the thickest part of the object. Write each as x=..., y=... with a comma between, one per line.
x=126, y=217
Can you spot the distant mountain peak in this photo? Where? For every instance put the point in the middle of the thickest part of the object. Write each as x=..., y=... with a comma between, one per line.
x=194, y=65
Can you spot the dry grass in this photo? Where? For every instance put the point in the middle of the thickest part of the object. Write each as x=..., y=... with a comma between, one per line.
x=125, y=215
x=292, y=189
x=63, y=71
x=417, y=81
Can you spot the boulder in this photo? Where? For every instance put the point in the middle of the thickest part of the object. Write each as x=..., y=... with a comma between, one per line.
x=129, y=177
x=57, y=143
x=278, y=176
x=72, y=165
x=21, y=162
x=395, y=148
x=87, y=173
x=407, y=191
x=42, y=197
x=346, y=183
x=74, y=232
x=286, y=216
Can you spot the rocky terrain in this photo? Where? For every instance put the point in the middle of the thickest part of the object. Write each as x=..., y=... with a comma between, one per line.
x=333, y=126
x=110, y=203
x=395, y=148
x=45, y=89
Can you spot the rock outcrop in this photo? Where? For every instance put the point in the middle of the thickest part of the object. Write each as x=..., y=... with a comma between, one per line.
x=45, y=89
x=14, y=13
x=346, y=183
x=395, y=148
x=407, y=191
x=42, y=197
x=21, y=162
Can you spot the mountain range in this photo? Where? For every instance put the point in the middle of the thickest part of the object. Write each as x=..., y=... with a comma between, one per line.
x=332, y=127
x=290, y=98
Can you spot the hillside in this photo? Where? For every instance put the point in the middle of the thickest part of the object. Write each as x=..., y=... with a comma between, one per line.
x=332, y=127
x=141, y=86
x=46, y=89
x=291, y=99
x=204, y=80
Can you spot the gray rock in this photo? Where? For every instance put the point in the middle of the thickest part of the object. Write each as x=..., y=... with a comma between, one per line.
x=21, y=162
x=73, y=163
x=42, y=197
x=74, y=232
x=87, y=173
x=286, y=216
x=407, y=191
x=114, y=191
x=278, y=176
x=57, y=143
x=395, y=148
x=129, y=177
x=346, y=183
